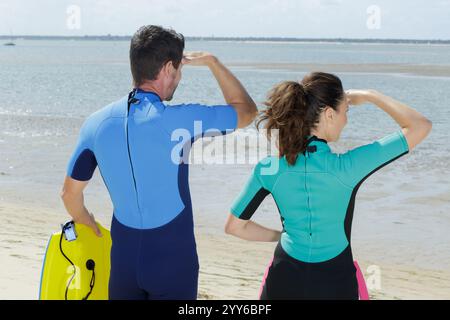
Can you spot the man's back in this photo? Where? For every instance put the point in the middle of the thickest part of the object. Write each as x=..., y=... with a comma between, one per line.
x=141, y=147
x=138, y=154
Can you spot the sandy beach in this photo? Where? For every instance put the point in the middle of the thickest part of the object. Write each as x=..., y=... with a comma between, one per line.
x=230, y=268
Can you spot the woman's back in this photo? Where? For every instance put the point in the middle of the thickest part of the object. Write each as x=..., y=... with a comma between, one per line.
x=315, y=196
x=315, y=189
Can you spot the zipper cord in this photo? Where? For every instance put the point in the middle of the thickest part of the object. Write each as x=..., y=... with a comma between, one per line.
x=132, y=100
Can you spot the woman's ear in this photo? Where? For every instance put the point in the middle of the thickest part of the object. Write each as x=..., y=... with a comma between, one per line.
x=329, y=113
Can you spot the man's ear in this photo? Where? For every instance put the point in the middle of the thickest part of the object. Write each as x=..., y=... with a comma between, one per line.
x=165, y=70
x=170, y=68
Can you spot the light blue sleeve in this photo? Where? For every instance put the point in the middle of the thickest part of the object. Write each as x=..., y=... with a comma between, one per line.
x=83, y=163
x=201, y=119
x=358, y=164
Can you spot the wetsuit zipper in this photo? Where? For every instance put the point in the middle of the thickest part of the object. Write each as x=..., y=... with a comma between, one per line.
x=132, y=168
x=130, y=99
x=308, y=204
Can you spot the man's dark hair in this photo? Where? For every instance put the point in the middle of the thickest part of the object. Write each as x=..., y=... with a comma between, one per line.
x=151, y=48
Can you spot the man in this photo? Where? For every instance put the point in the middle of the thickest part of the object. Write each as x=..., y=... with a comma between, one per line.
x=153, y=255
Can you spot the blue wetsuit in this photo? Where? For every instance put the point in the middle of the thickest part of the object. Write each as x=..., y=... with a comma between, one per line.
x=140, y=146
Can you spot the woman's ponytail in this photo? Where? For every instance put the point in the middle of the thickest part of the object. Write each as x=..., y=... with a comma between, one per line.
x=294, y=108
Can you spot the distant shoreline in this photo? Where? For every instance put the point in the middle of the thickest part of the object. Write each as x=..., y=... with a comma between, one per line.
x=387, y=68
x=246, y=39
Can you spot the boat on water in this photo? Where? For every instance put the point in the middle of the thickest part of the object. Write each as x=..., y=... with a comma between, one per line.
x=11, y=42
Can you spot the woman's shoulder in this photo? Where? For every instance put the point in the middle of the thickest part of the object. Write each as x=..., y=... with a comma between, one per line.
x=270, y=166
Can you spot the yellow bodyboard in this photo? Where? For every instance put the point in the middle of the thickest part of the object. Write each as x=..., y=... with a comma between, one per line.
x=57, y=271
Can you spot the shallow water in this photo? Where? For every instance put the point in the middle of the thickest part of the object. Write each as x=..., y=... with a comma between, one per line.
x=47, y=88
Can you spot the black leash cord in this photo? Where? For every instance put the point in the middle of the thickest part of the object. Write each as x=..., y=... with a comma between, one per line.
x=90, y=265
x=67, y=258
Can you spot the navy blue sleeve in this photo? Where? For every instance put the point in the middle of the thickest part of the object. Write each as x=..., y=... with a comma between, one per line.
x=83, y=163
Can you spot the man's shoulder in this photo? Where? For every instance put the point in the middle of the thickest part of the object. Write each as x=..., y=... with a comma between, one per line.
x=117, y=109
x=186, y=107
x=184, y=113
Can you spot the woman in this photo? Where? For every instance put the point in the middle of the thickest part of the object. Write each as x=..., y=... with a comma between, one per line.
x=314, y=188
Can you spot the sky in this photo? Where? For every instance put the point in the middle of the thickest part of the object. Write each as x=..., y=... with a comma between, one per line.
x=394, y=19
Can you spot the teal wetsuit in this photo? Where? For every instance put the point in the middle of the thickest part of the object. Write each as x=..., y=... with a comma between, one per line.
x=315, y=198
